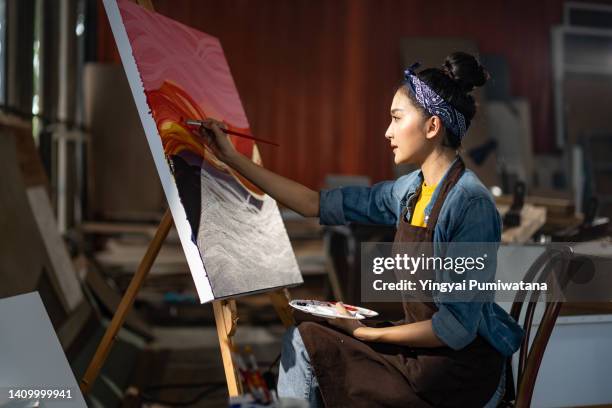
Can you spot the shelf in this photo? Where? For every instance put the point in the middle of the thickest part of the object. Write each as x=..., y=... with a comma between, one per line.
x=587, y=69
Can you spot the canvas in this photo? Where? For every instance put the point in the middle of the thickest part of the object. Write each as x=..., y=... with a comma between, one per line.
x=232, y=233
x=32, y=357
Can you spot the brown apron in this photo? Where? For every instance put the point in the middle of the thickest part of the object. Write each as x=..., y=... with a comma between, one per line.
x=352, y=373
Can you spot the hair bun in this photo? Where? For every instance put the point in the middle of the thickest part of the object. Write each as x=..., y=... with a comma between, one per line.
x=464, y=69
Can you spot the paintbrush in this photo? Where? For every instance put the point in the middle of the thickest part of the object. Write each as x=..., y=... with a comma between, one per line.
x=199, y=123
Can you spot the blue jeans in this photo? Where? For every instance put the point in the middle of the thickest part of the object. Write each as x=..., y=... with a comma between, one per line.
x=500, y=391
x=296, y=377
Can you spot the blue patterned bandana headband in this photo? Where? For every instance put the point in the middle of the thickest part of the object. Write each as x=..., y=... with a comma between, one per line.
x=433, y=103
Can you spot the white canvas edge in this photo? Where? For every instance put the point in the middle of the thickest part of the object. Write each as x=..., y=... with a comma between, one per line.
x=192, y=253
x=63, y=269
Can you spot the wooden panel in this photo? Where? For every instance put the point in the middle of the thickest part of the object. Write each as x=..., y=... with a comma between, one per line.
x=36, y=186
x=587, y=102
x=23, y=258
x=27, y=154
x=123, y=183
x=55, y=247
x=110, y=299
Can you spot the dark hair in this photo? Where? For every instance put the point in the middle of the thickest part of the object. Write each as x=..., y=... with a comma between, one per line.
x=454, y=82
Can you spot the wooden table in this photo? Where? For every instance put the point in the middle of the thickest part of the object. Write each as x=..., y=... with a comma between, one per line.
x=532, y=219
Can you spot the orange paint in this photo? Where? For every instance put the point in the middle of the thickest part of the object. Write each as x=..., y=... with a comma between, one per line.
x=170, y=104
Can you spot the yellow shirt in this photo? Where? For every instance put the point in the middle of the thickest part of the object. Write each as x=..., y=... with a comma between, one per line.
x=418, y=218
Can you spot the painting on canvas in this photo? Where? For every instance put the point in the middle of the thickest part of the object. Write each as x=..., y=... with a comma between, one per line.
x=232, y=233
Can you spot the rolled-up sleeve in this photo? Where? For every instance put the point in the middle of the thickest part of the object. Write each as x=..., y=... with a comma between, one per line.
x=456, y=323
x=378, y=204
x=331, y=207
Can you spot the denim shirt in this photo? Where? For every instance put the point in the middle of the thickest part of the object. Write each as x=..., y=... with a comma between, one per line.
x=467, y=215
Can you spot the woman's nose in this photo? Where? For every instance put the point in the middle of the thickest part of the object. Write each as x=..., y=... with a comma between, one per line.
x=388, y=133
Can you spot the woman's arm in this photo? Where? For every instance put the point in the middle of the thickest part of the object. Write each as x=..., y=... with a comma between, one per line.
x=379, y=204
x=288, y=192
x=419, y=334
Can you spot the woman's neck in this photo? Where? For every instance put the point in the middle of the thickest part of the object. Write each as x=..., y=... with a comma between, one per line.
x=435, y=165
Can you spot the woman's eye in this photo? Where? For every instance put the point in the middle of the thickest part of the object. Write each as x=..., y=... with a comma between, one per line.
x=395, y=118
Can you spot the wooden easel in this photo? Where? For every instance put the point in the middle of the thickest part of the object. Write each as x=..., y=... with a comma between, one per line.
x=225, y=311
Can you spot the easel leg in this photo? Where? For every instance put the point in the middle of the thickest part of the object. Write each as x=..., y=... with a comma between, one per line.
x=126, y=303
x=225, y=318
x=280, y=301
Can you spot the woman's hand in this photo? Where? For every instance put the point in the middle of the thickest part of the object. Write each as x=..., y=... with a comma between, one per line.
x=292, y=194
x=218, y=140
x=419, y=334
x=350, y=326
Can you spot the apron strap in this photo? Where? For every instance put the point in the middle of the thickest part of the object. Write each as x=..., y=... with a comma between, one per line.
x=451, y=179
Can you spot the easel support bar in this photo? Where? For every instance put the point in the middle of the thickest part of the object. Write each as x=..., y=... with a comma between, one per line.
x=126, y=303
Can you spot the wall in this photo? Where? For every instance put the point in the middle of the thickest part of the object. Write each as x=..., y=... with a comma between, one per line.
x=318, y=75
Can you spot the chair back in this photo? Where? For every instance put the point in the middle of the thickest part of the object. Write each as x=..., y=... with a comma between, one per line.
x=552, y=261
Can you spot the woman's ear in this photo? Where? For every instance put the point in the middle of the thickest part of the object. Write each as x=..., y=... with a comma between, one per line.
x=433, y=127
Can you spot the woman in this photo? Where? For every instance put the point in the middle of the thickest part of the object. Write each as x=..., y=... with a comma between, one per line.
x=444, y=354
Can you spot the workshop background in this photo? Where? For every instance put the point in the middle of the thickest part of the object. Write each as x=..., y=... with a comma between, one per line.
x=81, y=200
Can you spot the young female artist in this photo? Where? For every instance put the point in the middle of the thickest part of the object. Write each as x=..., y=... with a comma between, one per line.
x=443, y=354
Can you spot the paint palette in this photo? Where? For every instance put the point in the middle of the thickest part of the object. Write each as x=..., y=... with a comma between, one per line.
x=328, y=310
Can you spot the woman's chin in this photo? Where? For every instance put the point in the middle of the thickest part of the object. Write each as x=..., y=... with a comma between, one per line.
x=399, y=159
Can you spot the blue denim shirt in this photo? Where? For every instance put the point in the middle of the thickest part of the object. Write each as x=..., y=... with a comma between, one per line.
x=467, y=215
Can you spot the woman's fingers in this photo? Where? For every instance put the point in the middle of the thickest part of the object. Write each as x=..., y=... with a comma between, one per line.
x=210, y=122
x=217, y=139
x=341, y=309
x=206, y=134
x=216, y=127
x=211, y=130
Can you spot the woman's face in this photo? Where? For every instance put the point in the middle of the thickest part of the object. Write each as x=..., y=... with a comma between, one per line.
x=407, y=132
